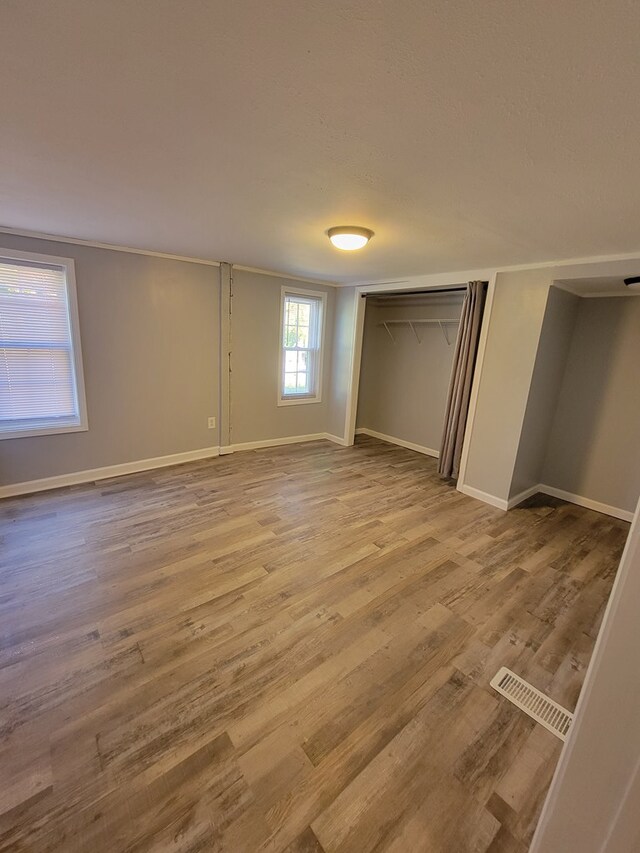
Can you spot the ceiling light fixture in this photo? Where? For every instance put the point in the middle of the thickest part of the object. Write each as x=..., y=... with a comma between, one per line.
x=349, y=237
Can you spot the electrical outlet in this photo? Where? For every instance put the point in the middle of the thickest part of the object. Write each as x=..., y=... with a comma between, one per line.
x=211, y=423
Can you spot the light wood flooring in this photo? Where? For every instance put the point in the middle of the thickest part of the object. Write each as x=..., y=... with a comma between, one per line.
x=286, y=650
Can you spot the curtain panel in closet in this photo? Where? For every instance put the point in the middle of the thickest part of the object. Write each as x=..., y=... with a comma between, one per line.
x=464, y=361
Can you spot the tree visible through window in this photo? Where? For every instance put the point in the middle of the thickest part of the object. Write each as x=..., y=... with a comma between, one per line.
x=301, y=345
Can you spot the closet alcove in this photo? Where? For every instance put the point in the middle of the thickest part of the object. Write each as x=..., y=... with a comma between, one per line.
x=581, y=429
x=407, y=356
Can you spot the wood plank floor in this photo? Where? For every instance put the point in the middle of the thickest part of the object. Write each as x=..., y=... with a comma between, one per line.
x=286, y=650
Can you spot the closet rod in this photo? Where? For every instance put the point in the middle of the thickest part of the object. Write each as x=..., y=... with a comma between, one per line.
x=415, y=292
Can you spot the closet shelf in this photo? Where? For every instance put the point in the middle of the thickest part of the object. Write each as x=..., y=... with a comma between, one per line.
x=413, y=323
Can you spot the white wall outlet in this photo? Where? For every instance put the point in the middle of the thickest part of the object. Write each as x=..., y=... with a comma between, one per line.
x=211, y=423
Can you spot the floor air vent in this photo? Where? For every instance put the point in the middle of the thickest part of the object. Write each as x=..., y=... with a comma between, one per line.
x=534, y=703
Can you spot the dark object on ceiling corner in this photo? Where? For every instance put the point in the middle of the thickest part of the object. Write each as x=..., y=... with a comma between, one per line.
x=634, y=280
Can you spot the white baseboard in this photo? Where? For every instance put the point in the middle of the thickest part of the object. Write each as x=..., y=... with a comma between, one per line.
x=93, y=474
x=606, y=509
x=90, y=476
x=485, y=497
x=336, y=439
x=522, y=496
x=274, y=442
x=541, y=488
x=410, y=445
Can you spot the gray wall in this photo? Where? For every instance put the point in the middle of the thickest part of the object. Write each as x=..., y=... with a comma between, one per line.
x=555, y=340
x=341, y=361
x=514, y=331
x=149, y=331
x=255, y=345
x=594, y=440
x=403, y=385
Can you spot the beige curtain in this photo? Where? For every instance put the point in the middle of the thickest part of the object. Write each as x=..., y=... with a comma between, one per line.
x=464, y=361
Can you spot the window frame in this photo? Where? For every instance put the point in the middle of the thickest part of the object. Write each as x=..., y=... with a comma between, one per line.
x=67, y=265
x=302, y=399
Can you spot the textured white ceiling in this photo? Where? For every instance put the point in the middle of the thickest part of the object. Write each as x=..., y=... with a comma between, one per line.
x=466, y=134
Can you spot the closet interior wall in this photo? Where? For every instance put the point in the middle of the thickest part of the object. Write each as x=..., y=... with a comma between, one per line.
x=595, y=434
x=406, y=368
x=582, y=427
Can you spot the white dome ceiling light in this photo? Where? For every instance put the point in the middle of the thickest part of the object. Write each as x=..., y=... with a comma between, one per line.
x=349, y=237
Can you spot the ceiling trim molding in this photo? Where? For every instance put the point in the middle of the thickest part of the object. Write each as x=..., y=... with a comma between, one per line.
x=452, y=278
x=463, y=276
x=288, y=276
x=443, y=280
x=112, y=247
x=569, y=262
x=92, y=244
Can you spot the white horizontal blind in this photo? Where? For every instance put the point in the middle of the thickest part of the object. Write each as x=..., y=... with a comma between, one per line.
x=301, y=342
x=37, y=376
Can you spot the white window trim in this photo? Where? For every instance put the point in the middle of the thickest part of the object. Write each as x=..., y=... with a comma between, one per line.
x=301, y=399
x=66, y=264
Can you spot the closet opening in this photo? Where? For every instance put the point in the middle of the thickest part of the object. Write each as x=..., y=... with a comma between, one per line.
x=408, y=346
x=582, y=421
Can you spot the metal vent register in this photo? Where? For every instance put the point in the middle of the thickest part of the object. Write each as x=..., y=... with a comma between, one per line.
x=533, y=702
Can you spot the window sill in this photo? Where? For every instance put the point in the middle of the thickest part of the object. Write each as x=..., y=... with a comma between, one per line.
x=298, y=401
x=53, y=430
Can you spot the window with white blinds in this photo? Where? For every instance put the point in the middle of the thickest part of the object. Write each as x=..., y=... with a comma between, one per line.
x=301, y=333
x=40, y=367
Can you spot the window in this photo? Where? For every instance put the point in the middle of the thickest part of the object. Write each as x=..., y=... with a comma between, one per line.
x=41, y=386
x=301, y=333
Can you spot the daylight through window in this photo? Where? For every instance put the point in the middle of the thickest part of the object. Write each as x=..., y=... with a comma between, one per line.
x=302, y=316
x=38, y=368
